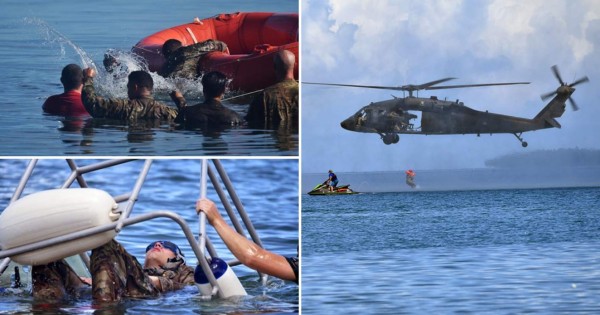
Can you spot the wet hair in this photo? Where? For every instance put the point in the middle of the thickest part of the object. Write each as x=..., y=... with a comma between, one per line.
x=71, y=76
x=170, y=46
x=142, y=79
x=213, y=84
x=110, y=62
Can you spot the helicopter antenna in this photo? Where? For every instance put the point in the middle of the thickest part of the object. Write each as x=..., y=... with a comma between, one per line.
x=410, y=88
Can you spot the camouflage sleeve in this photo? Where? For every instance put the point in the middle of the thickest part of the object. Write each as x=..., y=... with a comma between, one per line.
x=175, y=280
x=100, y=107
x=166, y=112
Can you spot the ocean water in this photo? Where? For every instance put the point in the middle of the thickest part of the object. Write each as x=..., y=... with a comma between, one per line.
x=510, y=251
x=488, y=178
x=268, y=189
x=40, y=37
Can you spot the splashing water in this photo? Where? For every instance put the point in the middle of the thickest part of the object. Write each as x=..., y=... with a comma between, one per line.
x=53, y=36
x=114, y=83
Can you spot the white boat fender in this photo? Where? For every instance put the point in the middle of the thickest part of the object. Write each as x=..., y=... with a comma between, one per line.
x=228, y=282
x=52, y=213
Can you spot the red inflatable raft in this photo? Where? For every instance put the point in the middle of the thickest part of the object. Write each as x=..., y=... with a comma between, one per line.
x=252, y=39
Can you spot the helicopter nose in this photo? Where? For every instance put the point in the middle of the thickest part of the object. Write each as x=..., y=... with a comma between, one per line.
x=348, y=123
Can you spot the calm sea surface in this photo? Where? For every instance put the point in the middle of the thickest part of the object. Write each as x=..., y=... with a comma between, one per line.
x=41, y=37
x=474, y=252
x=268, y=190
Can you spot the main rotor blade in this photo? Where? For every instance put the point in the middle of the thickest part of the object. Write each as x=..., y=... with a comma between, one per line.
x=396, y=88
x=582, y=80
x=424, y=86
x=573, y=105
x=557, y=74
x=429, y=84
x=409, y=87
x=471, y=85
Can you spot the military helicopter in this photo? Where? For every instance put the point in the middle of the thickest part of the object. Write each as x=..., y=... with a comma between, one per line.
x=396, y=116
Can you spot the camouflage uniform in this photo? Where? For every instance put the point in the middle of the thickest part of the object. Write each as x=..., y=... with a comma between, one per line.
x=115, y=274
x=124, y=109
x=275, y=104
x=184, y=61
x=209, y=113
x=55, y=281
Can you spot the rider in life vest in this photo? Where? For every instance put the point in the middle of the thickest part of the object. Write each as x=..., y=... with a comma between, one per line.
x=332, y=181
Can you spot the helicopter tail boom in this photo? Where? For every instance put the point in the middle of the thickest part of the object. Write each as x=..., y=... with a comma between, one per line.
x=553, y=110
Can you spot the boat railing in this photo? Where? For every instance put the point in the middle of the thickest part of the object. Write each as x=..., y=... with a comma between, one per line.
x=198, y=246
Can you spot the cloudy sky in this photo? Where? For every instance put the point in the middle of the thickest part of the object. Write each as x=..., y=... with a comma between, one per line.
x=413, y=42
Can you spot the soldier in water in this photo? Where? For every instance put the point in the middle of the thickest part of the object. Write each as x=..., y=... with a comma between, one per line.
x=139, y=105
x=277, y=103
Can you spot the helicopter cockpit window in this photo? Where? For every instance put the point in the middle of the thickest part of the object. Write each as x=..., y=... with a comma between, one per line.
x=362, y=113
x=361, y=117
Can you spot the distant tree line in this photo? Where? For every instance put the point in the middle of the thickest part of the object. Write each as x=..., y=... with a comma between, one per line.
x=548, y=158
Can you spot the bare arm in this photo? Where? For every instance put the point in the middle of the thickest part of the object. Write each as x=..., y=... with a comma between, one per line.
x=178, y=99
x=249, y=253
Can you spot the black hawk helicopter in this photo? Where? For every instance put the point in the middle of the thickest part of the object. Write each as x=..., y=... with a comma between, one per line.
x=390, y=118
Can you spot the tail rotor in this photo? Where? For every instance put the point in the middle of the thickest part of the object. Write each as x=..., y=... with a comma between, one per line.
x=564, y=88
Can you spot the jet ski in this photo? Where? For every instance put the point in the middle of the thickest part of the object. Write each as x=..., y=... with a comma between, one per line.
x=323, y=189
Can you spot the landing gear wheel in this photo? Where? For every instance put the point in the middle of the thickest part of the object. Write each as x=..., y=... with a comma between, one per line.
x=523, y=143
x=390, y=138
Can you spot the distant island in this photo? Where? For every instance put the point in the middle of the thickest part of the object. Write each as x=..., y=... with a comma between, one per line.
x=558, y=158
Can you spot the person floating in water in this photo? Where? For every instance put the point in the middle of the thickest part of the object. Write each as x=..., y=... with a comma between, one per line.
x=116, y=274
x=332, y=181
x=410, y=178
x=182, y=61
x=68, y=103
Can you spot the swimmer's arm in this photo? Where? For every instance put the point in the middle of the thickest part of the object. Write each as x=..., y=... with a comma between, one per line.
x=100, y=107
x=252, y=255
x=178, y=99
x=181, y=103
x=86, y=280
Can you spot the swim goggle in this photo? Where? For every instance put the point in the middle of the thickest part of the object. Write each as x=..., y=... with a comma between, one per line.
x=168, y=245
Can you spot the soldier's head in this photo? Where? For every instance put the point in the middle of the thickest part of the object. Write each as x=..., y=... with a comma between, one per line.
x=213, y=84
x=170, y=46
x=110, y=62
x=284, y=61
x=159, y=253
x=71, y=77
x=140, y=84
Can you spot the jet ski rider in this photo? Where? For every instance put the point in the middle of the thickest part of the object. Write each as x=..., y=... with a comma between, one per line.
x=332, y=180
